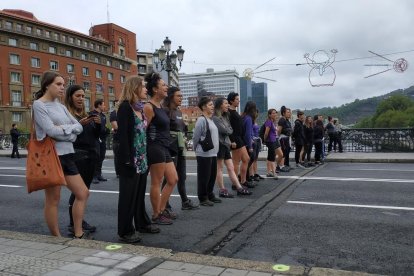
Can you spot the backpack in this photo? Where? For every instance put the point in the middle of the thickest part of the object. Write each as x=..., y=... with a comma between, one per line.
x=262, y=131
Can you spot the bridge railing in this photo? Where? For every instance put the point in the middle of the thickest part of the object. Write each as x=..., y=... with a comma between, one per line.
x=353, y=140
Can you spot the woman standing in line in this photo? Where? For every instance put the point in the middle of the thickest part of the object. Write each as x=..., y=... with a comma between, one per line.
x=86, y=154
x=308, y=130
x=248, y=116
x=257, y=146
x=206, y=160
x=158, y=152
x=284, y=130
x=318, y=133
x=238, y=149
x=221, y=120
x=132, y=162
x=54, y=120
x=177, y=145
x=272, y=143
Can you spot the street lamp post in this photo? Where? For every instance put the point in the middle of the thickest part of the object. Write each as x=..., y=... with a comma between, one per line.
x=165, y=60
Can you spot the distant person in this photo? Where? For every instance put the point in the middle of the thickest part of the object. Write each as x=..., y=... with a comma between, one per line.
x=330, y=129
x=99, y=110
x=318, y=133
x=338, y=135
x=14, y=133
x=271, y=140
x=298, y=137
x=284, y=130
x=308, y=130
x=54, y=120
x=115, y=139
x=248, y=117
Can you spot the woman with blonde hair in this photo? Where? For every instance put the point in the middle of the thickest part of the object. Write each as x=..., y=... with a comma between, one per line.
x=54, y=120
x=132, y=162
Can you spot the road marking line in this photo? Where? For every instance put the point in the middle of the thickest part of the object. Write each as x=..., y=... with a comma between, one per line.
x=351, y=205
x=10, y=186
x=364, y=179
x=147, y=194
x=14, y=175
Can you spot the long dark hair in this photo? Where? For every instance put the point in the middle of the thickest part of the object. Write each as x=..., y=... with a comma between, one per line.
x=69, y=101
x=48, y=78
x=217, y=107
x=152, y=80
x=170, y=95
x=250, y=109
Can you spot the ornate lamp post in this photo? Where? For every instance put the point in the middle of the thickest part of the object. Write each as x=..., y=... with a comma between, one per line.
x=164, y=60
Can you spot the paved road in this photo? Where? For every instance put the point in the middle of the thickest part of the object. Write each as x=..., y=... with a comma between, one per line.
x=283, y=222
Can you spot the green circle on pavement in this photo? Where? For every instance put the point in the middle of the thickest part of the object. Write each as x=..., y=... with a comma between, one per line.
x=113, y=247
x=281, y=267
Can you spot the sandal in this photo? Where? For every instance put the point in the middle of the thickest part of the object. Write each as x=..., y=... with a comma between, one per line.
x=243, y=191
x=225, y=193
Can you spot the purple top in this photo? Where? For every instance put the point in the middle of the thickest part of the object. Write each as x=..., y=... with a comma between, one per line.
x=255, y=131
x=272, y=135
x=248, y=131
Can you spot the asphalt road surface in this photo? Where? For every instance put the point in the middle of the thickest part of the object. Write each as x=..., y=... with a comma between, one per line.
x=348, y=216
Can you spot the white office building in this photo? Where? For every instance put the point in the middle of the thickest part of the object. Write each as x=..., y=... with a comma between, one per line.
x=220, y=83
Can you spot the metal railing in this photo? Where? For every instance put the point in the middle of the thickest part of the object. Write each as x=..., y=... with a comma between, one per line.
x=353, y=140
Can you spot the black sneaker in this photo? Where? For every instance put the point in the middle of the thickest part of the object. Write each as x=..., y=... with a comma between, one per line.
x=85, y=236
x=206, y=203
x=131, y=238
x=248, y=184
x=85, y=226
x=258, y=176
x=150, y=228
x=215, y=200
x=189, y=205
x=168, y=212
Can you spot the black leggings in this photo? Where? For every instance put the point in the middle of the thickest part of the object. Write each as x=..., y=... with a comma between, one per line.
x=284, y=143
x=180, y=166
x=206, y=177
x=298, y=149
x=318, y=151
x=308, y=151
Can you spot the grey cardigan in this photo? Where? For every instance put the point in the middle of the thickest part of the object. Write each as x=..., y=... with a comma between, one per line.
x=224, y=130
x=199, y=132
x=54, y=120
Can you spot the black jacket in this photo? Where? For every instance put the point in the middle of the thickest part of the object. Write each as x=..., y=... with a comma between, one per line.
x=126, y=134
x=14, y=135
x=298, y=133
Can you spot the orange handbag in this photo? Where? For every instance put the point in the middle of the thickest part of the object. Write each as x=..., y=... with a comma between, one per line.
x=43, y=168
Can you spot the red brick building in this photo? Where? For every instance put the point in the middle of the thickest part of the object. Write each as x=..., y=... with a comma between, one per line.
x=100, y=62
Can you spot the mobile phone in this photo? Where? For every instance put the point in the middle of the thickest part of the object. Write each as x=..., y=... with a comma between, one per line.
x=92, y=115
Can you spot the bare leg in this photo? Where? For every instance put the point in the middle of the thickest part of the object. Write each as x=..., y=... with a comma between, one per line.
x=172, y=178
x=232, y=174
x=81, y=192
x=52, y=198
x=157, y=173
x=219, y=176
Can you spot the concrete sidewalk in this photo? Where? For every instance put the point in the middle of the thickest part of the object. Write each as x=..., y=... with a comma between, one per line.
x=359, y=157
x=31, y=254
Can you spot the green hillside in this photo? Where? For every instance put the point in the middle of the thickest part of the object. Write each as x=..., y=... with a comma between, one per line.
x=351, y=113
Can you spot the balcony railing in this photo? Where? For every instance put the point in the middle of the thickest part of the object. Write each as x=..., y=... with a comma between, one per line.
x=353, y=140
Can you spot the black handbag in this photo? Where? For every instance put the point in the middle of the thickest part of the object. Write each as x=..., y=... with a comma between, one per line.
x=207, y=143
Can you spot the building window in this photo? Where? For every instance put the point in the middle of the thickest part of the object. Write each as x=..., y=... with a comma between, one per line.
x=35, y=62
x=99, y=87
x=78, y=42
x=121, y=66
x=56, y=36
x=97, y=60
x=105, y=49
x=63, y=38
x=108, y=63
x=71, y=40
x=39, y=32
x=98, y=47
x=87, y=103
x=14, y=59
x=111, y=90
x=122, y=52
x=85, y=71
x=72, y=80
x=92, y=46
x=84, y=56
x=70, y=68
x=85, y=44
x=34, y=46
x=12, y=42
x=17, y=117
x=28, y=29
x=36, y=79
x=110, y=76
x=19, y=27
x=47, y=34
x=122, y=79
x=98, y=74
x=9, y=25
x=16, y=98
x=15, y=77
x=54, y=65
x=52, y=49
x=86, y=86
x=69, y=53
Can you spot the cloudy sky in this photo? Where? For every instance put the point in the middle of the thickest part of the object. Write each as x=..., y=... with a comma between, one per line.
x=240, y=34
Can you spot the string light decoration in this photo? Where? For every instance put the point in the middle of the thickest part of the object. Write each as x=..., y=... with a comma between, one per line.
x=250, y=73
x=322, y=73
x=399, y=65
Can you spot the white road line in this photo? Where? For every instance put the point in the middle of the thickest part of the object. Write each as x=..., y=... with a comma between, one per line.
x=14, y=175
x=363, y=179
x=116, y=192
x=13, y=168
x=10, y=186
x=352, y=205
